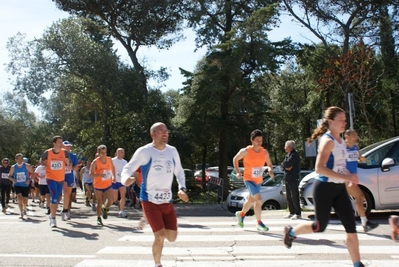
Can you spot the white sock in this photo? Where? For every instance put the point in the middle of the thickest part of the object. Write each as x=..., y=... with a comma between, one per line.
x=364, y=220
x=158, y=264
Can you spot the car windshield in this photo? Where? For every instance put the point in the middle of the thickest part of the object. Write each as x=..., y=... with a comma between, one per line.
x=371, y=147
x=267, y=181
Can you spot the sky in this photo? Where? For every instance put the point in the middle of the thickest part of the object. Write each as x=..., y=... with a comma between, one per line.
x=32, y=17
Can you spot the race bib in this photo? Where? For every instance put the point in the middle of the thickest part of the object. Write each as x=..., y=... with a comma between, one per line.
x=341, y=169
x=4, y=175
x=56, y=165
x=108, y=175
x=21, y=177
x=353, y=156
x=160, y=196
x=257, y=172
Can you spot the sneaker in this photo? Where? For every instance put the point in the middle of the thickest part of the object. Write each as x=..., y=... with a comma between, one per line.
x=93, y=207
x=48, y=211
x=122, y=214
x=68, y=215
x=289, y=216
x=262, y=227
x=287, y=237
x=63, y=216
x=240, y=219
x=99, y=221
x=105, y=213
x=4, y=211
x=394, y=223
x=295, y=217
x=53, y=222
x=361, y=264
x=87, y=203
x=369, y=226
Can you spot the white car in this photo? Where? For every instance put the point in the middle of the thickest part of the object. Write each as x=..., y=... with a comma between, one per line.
x=378, y=178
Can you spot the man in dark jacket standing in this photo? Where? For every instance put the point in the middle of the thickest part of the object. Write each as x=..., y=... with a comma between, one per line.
x=292, y=168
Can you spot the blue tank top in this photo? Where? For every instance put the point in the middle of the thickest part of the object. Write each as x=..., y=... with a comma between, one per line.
x=336, y=161
x=353, y=156
x=21, y=175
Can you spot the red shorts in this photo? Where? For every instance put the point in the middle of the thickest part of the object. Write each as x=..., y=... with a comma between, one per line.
x=160, y=216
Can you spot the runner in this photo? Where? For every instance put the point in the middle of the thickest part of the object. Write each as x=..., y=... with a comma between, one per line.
x=351, y=139
x=88, y=185
x=55, y=159
x=254, y=158
x=43, y=187
x=5, y=183
x=159, y=162
x=329, y=190
x=19, y=175
x=103, y=172
x=119, y=163
x=69, y=182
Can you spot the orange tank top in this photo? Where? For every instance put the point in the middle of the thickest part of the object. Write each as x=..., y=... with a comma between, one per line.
x=253, y=165
x=106, y=181
x=55, y=167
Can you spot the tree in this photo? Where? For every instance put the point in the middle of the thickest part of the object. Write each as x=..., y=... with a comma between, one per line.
x=134, y=23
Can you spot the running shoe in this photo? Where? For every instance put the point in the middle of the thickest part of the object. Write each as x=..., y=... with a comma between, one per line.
x=68, y=215
x=105, y=213
x=240, y=219
x=142, y=223
x=287, y=237
x=262, y=227
x=289, y=216
x=93, y=207
x=122, y=214
x=99, y=221
x=53, y=222
x=63, y=216
x=369, y=226
x=4, y=211
x=87, y=203
x=48, y=211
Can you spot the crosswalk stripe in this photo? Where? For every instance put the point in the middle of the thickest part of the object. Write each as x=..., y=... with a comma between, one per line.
x=238, y=263
x=239, y=250
x=236, y=229
x=268, y=236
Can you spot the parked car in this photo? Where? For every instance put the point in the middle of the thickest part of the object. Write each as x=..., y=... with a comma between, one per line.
x=271, y=192
x=378, y=178
x=211, y=171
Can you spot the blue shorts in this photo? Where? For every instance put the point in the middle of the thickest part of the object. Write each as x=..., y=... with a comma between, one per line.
x=55, y=190
x=103, y=189
x=69, y=180
x=117, y=185
x=252, y=187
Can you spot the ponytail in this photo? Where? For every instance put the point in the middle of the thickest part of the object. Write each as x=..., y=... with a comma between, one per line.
x=319, y=131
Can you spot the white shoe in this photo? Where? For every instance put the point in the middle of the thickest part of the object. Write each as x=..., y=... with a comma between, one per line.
x=289, y=216
x=68, y=215
x=63, y=216
x=295, y=217
x=53, y=222
x=122, y=214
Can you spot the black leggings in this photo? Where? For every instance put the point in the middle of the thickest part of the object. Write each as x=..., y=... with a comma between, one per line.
x=327, y=195
x=5, y=194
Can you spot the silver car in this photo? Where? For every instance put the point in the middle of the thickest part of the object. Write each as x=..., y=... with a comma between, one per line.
x=378, y=178
x=271, y=193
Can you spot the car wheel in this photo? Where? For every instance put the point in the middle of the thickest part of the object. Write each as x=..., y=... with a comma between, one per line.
x=366, y=204
x=270, y=205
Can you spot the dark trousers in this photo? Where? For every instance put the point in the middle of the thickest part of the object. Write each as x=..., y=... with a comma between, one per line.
x=293, y=197
x=5, y=195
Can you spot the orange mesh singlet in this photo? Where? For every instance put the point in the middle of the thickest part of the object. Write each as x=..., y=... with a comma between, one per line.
x=253, y=165
x=55, y=167
x=106, y=181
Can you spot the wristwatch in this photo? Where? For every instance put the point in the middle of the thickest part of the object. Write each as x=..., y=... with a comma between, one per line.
x=183, y=189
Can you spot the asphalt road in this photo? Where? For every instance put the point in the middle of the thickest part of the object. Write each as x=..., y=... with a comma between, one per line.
x=208, y=236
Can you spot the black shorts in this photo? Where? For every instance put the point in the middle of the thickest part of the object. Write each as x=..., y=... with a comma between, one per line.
x=24, y=191
x=44, y=189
